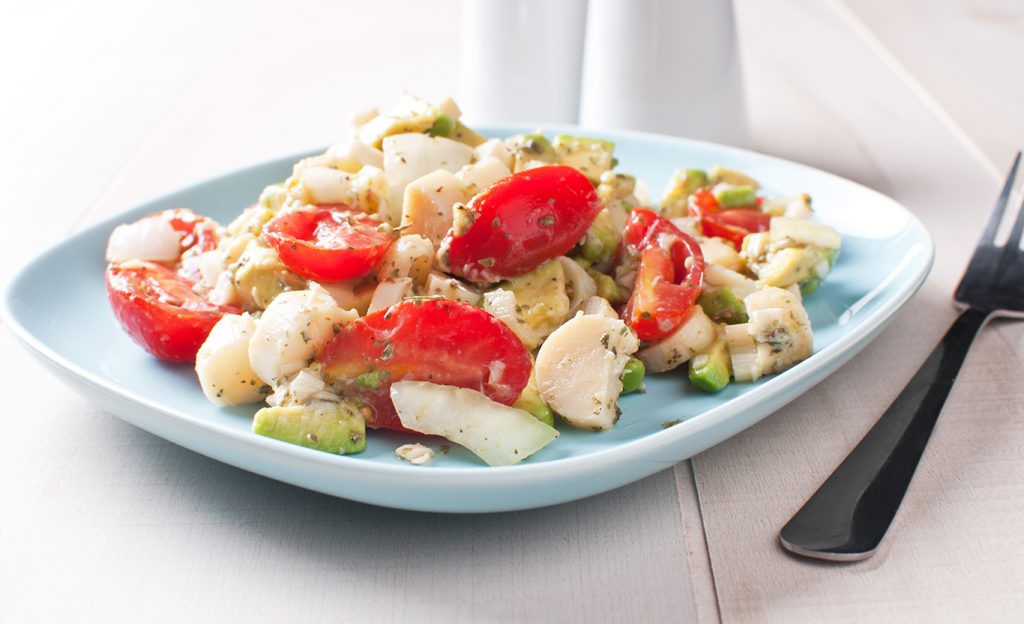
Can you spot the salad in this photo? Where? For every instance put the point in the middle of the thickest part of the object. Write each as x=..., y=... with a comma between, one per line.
x=422, y=277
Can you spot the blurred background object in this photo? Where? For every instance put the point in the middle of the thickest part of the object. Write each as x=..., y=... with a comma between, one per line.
x=521, y=60
x=666, y=66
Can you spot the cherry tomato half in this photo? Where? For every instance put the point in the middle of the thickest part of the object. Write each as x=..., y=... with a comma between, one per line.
x=732, y=224
x=197, y=232
x=523, y=221
x=436, y=340
x=159, y=310
x=328, y=243
x=669, y=274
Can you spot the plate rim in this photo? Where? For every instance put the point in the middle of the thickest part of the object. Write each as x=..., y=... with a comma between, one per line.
x=775, y=387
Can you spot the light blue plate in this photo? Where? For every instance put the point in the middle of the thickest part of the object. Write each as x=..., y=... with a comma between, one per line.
x=57, y=307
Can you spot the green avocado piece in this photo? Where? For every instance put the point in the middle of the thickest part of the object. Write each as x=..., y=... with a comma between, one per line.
x=260, y=276
x=831, y=255
x=614, y=185
x=601, y=240
x=723, y=306
x=330, y=427
x=809, y=285
x=719, y=175
x=464, y=134
x=540, y=295
x=442, y=126
x=710, y=369
x=530, y=147
x=607, y=287
x=531, y=402
x=729, y=196
x=633, y=375
x=591, y=157
x=684, y=182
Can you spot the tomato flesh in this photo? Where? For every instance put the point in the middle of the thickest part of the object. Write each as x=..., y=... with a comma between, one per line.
x=670, y=270
x=436, y=340
x=159, y=310
x=328, y=243
x=732, y=224
x=523, y=221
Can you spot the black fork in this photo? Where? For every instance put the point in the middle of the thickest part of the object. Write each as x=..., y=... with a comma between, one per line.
x=846, y=519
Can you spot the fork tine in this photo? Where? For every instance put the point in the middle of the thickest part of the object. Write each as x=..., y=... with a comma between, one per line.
x=1013, y=242
x=997, y=213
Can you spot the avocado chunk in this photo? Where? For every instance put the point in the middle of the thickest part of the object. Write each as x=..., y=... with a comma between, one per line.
x=591, y=157
x=260, y=276
x=601, y=240
x=329, y=427
x=792, y=265
x=633, y=375
x=607, y=287
x=684, y=182
x=466, y=135
x=614, y=185
x=809, y=285
x=530, y=401
x=443, y=126
x=720, y=175
x=729, y=196
x=527, y=148
x=710, y=369
x=532, y=305
x=723, y=306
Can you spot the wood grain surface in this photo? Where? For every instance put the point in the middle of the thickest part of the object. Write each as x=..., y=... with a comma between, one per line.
x=110, y=103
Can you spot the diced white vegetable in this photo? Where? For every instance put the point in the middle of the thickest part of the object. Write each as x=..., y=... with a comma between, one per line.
x=222, y=363
x=579, y=369
x=146, y=239
x=415, y=454
x=441, y=285
x=325, y=185
x=449, y=108
x=805, y=232
x=353, y=154
x=599, y=306
x=389, y=292
x=780, y=327
x=211, y=266
x=354, y=294
x=224, y=291
x=480, y=175
x=578, y=284
x=292, y=330
x=798, y=207
x=365, y=190
x=742, y=353
x=413, y=155
x=411, y=255
x=741, y=285
x=688, y=225
x=305, y=385
x=498, y=434
x=694, y=335
x=427, y=204
x=495, y=148
x=717, y=251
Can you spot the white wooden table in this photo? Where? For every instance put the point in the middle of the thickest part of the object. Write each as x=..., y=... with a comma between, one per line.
x=105, y=104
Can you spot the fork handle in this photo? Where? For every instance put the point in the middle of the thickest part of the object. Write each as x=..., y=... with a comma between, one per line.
x=847, y=517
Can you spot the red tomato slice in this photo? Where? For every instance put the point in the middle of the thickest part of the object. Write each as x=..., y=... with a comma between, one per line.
x=436, y=340
x=198, y=232
x=523, y=221
x=328, y=243
x=159, y=310
x=732, y=224
x=669, y=275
